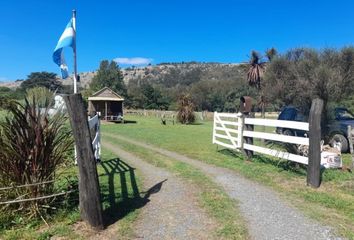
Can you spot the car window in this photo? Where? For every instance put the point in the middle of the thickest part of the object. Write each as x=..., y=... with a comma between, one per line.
x=288, y=114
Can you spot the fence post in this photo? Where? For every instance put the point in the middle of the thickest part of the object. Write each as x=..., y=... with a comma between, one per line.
x=350, y=140
x=248, y=140
x=214, y=125
x=89, y=191
x=314, y=164
x=241, y=125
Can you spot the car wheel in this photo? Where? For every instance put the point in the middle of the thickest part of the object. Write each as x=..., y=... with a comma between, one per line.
x=288, y=132
x=340, y=138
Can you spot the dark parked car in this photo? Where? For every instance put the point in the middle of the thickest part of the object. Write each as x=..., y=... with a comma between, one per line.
x=335, y=130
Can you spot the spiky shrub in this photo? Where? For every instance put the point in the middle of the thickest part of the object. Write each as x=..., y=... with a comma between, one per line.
x=256, y=70
x=42, y=95
x=32, y=146
x=185, y=113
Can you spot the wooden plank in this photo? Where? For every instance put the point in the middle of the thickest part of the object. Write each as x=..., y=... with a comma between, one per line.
x=225, y=145
x=277, y=137
x=277, y=123
x=89, y=191
x=350, y=140
x=276, y=153
x=314, y=166
x=241, y=121
x=228, y=115
x=248, y=140
x=229, y=129
x=227, y=133
x=219, y=121
x=225, y=137
x=214, y=127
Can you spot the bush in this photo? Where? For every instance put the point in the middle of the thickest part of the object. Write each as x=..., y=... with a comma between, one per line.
x=42, y=95
x=300, y=75
x=32, y=146
x=185, y=113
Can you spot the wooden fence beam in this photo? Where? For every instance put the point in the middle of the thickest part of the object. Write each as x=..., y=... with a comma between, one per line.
x=248, y=140
x=350, y=140
x=314, y=165
x=89, y=191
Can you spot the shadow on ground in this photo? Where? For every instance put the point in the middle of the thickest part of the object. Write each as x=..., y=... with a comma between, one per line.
x=117, y=204
x=130, y=122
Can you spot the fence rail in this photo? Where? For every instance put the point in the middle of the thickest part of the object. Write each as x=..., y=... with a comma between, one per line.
x=229, y=131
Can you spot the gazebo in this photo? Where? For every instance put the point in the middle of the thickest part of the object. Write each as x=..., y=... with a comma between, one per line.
x=107, y=103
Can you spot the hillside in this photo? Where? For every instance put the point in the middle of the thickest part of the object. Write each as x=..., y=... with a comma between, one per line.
x=162, y=72
x=212, y=86
x=170, y=74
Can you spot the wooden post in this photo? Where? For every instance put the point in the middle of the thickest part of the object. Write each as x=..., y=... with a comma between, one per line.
x=105, y=104
x=249, y=140
x=241, y=125
x=314, y=164
x=350, y=140
x=89, y=191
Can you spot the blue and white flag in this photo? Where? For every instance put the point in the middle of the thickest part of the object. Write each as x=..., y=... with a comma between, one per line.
x=67, y=39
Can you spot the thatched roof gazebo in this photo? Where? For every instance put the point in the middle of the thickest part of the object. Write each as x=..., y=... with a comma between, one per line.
x=108, y=103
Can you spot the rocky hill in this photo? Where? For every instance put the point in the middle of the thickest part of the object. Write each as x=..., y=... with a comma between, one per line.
x=165, y=73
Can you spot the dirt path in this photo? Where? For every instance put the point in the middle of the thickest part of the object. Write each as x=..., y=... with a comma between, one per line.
x=267, y=215
x=172, y=211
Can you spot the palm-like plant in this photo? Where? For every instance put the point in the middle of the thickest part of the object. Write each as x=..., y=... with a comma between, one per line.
x=256, y=70
x=271, y=53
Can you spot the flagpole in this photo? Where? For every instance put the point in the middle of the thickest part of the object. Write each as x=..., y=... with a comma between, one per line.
x=74, y=49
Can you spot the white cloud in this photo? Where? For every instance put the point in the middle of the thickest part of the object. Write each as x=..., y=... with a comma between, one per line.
x=133, y=61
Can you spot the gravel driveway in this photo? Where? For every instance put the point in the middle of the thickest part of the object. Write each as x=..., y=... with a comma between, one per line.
x=172, y=211
x=267, y=215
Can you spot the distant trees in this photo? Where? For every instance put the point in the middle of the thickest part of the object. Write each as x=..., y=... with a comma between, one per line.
x=42, y=79
x=109, y=75
x=302, y=74
x=147, y=96
x=10, y=93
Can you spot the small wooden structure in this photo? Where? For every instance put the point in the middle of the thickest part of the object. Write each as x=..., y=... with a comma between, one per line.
x=108, y=104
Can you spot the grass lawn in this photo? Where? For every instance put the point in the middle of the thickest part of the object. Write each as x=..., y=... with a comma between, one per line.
x=119, y=204
x=331, y=204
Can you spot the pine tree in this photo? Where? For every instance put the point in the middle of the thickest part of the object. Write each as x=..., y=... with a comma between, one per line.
x=109, y=75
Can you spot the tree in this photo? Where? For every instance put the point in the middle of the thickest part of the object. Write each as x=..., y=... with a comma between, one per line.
x=42, y=79
x=109, y=75
x=301, y=75
x=256, y=70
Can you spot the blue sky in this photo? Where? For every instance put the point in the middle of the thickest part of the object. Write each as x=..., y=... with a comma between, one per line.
x=165, y=31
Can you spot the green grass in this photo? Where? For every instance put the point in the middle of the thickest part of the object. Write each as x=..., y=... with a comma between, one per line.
x=218, y=205
x=116, y=208
x=331, y=204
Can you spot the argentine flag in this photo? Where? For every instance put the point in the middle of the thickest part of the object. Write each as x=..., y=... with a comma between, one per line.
x=67, y=39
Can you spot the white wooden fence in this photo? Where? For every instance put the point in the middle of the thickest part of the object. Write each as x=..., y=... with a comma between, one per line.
x=229, y=130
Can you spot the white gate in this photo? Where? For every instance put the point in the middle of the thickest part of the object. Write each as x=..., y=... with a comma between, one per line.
x=229, y=131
